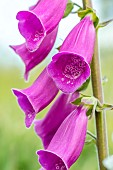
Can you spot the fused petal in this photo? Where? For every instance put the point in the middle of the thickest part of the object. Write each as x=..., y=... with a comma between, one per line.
x=69, y=71
x=31, y=59
x=70, y=67
x=36, y=97
x=34, y=34
x=47, y=127
x=81, y=39
x=67, y=143
x=43, y=18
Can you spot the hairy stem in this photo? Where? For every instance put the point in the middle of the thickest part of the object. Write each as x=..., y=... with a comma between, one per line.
x=100, y=117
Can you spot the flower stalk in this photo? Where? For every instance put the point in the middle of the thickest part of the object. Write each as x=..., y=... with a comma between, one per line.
x=100, y=117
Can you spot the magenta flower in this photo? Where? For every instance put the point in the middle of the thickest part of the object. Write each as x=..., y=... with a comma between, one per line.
x=43, y=18
x=67, y=143
x=35, y=98
x=70, y=67
x=47, y=127
x=31, y=59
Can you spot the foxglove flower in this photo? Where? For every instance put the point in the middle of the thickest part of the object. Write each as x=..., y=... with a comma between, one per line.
x=47, y=127
x=35, y=98
x=70, y=67
x=43, y=18
x=67, y=143
x=31, y=59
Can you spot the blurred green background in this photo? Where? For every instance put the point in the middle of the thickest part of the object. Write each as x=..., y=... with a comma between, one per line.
x=18, y=145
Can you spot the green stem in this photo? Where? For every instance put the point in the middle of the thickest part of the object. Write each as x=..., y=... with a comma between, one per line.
x=77, y=5
x=100, y=117
x=86, y=3
x=92, y=135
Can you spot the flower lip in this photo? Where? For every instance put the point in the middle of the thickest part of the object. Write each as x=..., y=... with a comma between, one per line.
x=69, y=71
x=26, y=106
x=31, y=28
x=53, y=160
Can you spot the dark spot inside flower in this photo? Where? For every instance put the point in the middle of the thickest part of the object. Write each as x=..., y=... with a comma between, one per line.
x=60, y=165
x=74, y=68
x=38, y=35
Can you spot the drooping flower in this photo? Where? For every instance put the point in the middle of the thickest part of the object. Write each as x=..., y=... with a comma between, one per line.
x=43, y=18
x=31, y=59
x=70, y=67
x=47, y=127
x=67, y=143
x=36, y=97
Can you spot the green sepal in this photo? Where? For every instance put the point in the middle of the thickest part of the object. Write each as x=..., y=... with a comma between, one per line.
x=92, y=104
x=87, y=101
x=89, y=12
x=77, y=101
x=85, y=85
x=90, y=110
x=58, y=48
x=69, y=8
x=83, y=13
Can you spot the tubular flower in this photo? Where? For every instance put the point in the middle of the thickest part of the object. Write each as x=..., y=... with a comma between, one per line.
x=70, y=67
x=47, y=127
x=31, y=59
x=43, y=18
x=35, y=98
x=67, y=143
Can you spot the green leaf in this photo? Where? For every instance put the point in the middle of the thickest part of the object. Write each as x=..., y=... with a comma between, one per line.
x=85, y=85
x=105, y=106
x=69, y=8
